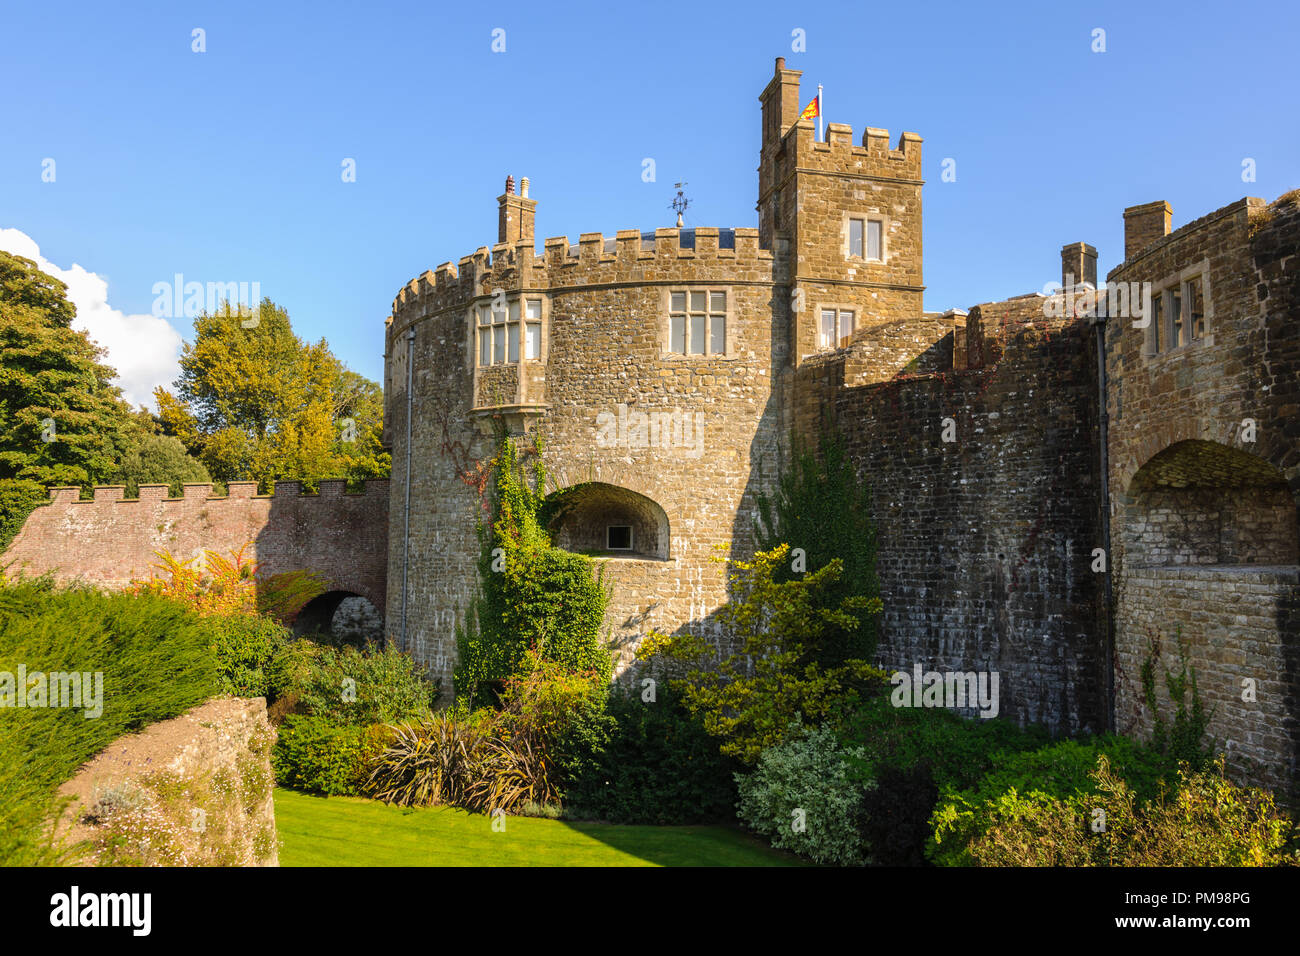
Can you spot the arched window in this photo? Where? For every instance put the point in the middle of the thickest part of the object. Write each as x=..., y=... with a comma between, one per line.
x=601, y=519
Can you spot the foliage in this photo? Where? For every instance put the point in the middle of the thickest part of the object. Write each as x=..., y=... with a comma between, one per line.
x=1207, y=821
x=221, y=585
x=643, y=761
x=802, y=795
x=1181, y=741
x=18, y=499
x=316, y=754
x=155, y=663
x=824, y=509
x=911, y=754
x=751, y=696
x=250, y=653
x=256, y=403
x=532, y=594
x=1061, y=771
x=61, y=418
x=357, y=687
x=158, y=460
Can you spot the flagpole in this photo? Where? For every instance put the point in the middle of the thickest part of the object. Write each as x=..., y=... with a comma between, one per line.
x=821, y=111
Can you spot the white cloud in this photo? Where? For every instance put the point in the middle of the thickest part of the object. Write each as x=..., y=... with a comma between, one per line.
x=144, y=349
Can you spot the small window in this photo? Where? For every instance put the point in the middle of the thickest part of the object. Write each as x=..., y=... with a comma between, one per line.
x=534, y=309
x=533, y=349
x=1195, y=298
x=618, y=537
x=835, y=329
x=875, y=239
x=697, y=323
x=826, y=338
x=1177, y=327
x=512, y=335
x=1154, y=330
x=484, y=336
x=866, y=239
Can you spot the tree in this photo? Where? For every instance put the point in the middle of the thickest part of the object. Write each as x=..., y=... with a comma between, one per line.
x=753, y=696
x=822, y=508
x=534, y=597
x=159, y=460
x=61, y=418
x=255, y=402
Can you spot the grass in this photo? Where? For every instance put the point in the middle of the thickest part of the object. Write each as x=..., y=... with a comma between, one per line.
x=350, y=831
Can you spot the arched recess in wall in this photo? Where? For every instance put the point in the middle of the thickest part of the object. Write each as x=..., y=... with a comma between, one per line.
x=340, y=617
x=608, y=520
x=1203, y=504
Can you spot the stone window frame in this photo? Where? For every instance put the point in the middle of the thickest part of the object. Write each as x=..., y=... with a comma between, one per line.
x=1181, y=282
x=521, y=297
x=666, y=324
x=865, y=214
x=631, y=537
x=839, y=307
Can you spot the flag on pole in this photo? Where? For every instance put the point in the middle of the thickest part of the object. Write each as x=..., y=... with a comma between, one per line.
x=812, y=109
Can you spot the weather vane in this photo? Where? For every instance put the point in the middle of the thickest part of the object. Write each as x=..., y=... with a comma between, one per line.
x=680, y=203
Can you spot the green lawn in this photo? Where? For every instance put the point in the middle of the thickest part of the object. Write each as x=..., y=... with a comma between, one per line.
x=349, y=831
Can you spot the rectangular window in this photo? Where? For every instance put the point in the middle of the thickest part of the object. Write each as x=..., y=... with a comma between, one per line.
x=697, y=335
x=498, y=344
x=856, y=227
x=826, y=336
x=513, y=336
x=846, y=326
x=697, y=323
x=533, y=349
x=1195, y=298
x=1155, y=333
x=618, y=537
x=875, y=239
x=1176, y=329
x=484, y=336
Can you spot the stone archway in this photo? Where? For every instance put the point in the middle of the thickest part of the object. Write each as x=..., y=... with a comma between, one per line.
x=608, y=521
x=344, y=617
x=1209, y=552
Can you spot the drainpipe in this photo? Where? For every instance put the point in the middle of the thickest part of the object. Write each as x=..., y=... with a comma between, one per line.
x=1103, y=422
x=406, y=512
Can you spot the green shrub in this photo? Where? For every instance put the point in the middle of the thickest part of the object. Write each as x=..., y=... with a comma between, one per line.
x=1063, y=771
x=156, y=663
x=533, y=595
x=249, y=652
x=804, y=797
x=358, y=687
x=18, y=499
x=319, y=756
x=639, y=762
x=1206, y=821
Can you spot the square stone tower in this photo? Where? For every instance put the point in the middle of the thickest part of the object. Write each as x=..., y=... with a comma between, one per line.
x=848, y=217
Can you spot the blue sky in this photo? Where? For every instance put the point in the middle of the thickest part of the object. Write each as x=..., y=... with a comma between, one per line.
x=226, y=165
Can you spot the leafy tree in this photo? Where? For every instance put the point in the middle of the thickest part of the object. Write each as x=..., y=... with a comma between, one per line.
x=18, y=498
x=824, y=509
x=255, y=402
x=158, y=460
x=61, y=419
x=754, y=694
x=533, y=595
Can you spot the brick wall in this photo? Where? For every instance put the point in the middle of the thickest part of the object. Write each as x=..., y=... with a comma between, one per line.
x=111, y=541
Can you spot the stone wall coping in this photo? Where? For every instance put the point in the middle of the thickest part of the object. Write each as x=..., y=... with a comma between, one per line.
x=114, y=494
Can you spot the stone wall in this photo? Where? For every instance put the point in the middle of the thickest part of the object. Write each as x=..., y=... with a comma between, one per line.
x=985, y=543
x=1205, y=478
x=110, y=541
x=196, y=790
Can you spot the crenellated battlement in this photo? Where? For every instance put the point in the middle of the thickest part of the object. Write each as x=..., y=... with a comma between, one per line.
x=838, y=153
x=630, y=255
x=202, y=491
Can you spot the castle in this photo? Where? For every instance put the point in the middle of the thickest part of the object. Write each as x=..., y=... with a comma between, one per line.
x=1057, y=479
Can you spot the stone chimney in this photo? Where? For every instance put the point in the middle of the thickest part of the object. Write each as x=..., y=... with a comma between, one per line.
x=1078, y=265
x=516, y=214
x=1145, y=224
